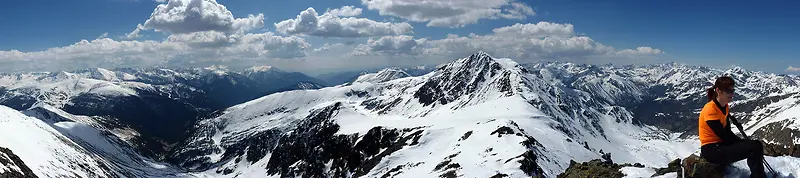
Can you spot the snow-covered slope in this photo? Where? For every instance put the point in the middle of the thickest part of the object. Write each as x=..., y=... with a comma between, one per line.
x=476, y=116
x=54, y=143
x=138, y=97
x=107, y=144
x=47, y=152
x=773, y=119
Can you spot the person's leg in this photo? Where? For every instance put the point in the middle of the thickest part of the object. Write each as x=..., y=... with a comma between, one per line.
x=714, y=154
x=752, y=150
x=756, y=159
x=724, y=154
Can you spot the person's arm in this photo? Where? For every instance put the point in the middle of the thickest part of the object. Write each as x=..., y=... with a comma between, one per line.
x=725, y=134
x=730, y=131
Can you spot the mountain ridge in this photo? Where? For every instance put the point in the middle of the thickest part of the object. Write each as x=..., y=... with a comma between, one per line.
x=475, y=113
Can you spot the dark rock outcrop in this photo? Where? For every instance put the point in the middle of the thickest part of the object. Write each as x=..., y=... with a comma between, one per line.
x=305, y=151
x=9, y=159
x=457, y=79
x=782, y=150
x=595, y=168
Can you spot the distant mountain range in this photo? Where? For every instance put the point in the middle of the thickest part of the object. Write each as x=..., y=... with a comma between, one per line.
x=160, y=103
x=476, y=116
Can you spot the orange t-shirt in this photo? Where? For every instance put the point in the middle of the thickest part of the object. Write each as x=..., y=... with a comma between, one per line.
x=711, y=112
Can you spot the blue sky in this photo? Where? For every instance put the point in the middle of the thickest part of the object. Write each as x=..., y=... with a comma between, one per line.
x=757, y=35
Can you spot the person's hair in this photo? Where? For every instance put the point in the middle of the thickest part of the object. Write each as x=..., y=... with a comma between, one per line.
x=724, y=82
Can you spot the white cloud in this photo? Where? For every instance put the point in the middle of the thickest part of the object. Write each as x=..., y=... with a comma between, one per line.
x=187, y=16
x=93, y=53
x=203, y=33
x=203, y=39
x=345, y=11
x=104, y=35
x=180, y=50
x=391, y=45
x=330, y=25
x=793, y=69
x=450, y=13
x=537, y=30
x=517, y=11
x=540, y=41
x=328, y=47
x=135, y=33
x=268, y=44
x=575, y=47
x=640, y=51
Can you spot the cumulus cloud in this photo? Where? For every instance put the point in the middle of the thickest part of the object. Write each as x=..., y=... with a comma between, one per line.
x=391, y=45
x=187, y=16
x=180, y=50
x=346, y=11
x=268, y=44
x=450, y=13
x=793, y=69
x=86, y=54
x=203, y=39
x=575, y=47
x=330, y=24
x=543, y=41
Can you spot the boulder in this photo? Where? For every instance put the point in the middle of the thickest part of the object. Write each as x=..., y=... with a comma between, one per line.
x=696, y=166
x=674, y=166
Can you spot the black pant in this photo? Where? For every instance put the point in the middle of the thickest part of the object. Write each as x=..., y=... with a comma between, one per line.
x=751, y=150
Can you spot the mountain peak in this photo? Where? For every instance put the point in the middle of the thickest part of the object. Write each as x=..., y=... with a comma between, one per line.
x=383, y=75
x=259, y=68
x=737, y=70
x=262, y=69
x=481, y=53
x=218, y=69
x=464, y=77
x=475, y=60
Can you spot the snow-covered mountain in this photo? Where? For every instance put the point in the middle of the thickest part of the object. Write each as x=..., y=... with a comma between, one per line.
x=173, y=98
x=383, y=76
x=337, y=78
x=46, y=150
x=474, y=117
x=668, y=95
x=49, y=142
